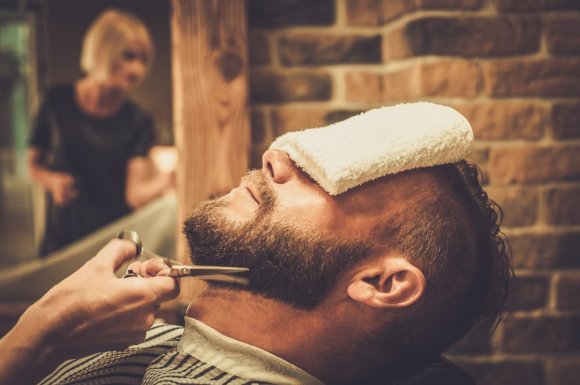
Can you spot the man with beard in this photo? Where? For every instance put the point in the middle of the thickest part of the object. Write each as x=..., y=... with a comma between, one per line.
x=348, y=288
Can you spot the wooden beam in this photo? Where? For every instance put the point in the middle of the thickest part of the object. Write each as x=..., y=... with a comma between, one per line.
x=210, y=99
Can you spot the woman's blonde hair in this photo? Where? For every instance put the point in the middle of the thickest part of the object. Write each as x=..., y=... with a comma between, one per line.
x=109, y=35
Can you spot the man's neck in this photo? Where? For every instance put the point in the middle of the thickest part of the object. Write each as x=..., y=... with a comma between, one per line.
x=306, y=339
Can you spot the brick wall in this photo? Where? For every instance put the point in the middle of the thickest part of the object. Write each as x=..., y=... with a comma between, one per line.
x=513, y=68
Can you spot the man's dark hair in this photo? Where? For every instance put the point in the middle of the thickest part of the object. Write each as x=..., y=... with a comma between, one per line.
x=450, y=231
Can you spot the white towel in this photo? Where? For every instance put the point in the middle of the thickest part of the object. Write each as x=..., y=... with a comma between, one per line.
x=379, y=142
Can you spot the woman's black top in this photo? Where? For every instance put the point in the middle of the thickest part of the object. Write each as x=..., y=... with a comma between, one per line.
x=95, y=151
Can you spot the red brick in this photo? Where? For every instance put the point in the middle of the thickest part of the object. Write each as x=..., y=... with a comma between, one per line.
x=479, y=156
x=504, y=372
x=259, y=50
x=534, y=164
x=436, y=79
x=466, y=36
x=290, y=13
x=277, y=87
x=504, y=120
x=448, y=78
x=417, y=81
x=567, y=290
x=535, y=5
x=285, y=119
x=543, y=334
x=563, y=205
x=563, y=35
x=546, y=77
x=446, y=4
x=320, y=49
x=403, y=85
x=393, y=9
x=529, y=292
x=364, y=87
x=398, y=44
x=364, y=12
x=564, y=370
x=519, y=204
x=334, y=116
x=566, y=121
x=548, y=250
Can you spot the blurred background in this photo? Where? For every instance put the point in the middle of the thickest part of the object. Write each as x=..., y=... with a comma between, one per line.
x=40, y=45
x=512, y=67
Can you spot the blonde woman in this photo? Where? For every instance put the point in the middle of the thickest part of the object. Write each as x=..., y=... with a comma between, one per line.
x=89, y=143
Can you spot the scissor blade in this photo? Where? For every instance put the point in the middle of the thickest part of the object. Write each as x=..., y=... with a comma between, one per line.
x=200, y=270
x=226, y=279
x=234, y=275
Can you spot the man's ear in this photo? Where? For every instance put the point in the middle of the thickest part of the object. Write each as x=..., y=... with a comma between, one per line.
x=388, y=282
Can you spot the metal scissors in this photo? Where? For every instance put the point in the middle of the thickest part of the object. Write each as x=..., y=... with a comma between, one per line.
x=227, y=274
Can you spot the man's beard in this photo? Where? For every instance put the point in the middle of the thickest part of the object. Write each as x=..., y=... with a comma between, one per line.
x=287, y=264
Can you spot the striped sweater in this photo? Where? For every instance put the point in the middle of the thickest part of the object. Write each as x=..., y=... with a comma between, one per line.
x=196, y=354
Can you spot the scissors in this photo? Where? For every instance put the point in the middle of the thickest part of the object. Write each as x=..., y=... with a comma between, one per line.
x=227, y=274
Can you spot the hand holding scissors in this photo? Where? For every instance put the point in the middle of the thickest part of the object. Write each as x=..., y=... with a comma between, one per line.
x=226, y=274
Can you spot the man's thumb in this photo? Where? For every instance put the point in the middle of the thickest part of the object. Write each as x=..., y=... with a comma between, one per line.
x=116, y=253
x=166, y=288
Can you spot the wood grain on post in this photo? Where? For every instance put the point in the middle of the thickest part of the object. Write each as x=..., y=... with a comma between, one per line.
x=210, y=99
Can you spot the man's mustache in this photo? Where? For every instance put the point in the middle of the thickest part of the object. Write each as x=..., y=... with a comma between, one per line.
x=267, y=195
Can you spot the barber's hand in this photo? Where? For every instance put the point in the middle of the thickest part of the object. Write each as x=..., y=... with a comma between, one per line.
x=93, y=310
x=154, y=267
x=62, y=188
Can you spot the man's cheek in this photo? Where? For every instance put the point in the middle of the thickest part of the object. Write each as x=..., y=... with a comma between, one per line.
x=305, y=216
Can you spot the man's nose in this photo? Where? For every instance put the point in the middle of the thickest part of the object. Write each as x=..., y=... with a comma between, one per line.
x=278, y=165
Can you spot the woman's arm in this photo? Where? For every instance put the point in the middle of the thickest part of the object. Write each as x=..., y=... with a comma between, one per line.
x=59, y=184
x=145, y=182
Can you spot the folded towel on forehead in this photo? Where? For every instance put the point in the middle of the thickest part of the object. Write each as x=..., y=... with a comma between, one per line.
x=379, y=142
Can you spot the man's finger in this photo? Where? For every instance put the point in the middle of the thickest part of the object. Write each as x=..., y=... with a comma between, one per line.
x=165, y=288
x=154, y=267
x=135, y=267
x=116, y=253
x=150, y=268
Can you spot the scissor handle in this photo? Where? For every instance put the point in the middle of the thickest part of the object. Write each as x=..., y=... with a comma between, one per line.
x=131, y=235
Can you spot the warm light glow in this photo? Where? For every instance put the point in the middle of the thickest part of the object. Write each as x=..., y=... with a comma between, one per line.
x=164, y=158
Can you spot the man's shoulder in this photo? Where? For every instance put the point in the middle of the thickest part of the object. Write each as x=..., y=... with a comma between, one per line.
x=119, y=366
